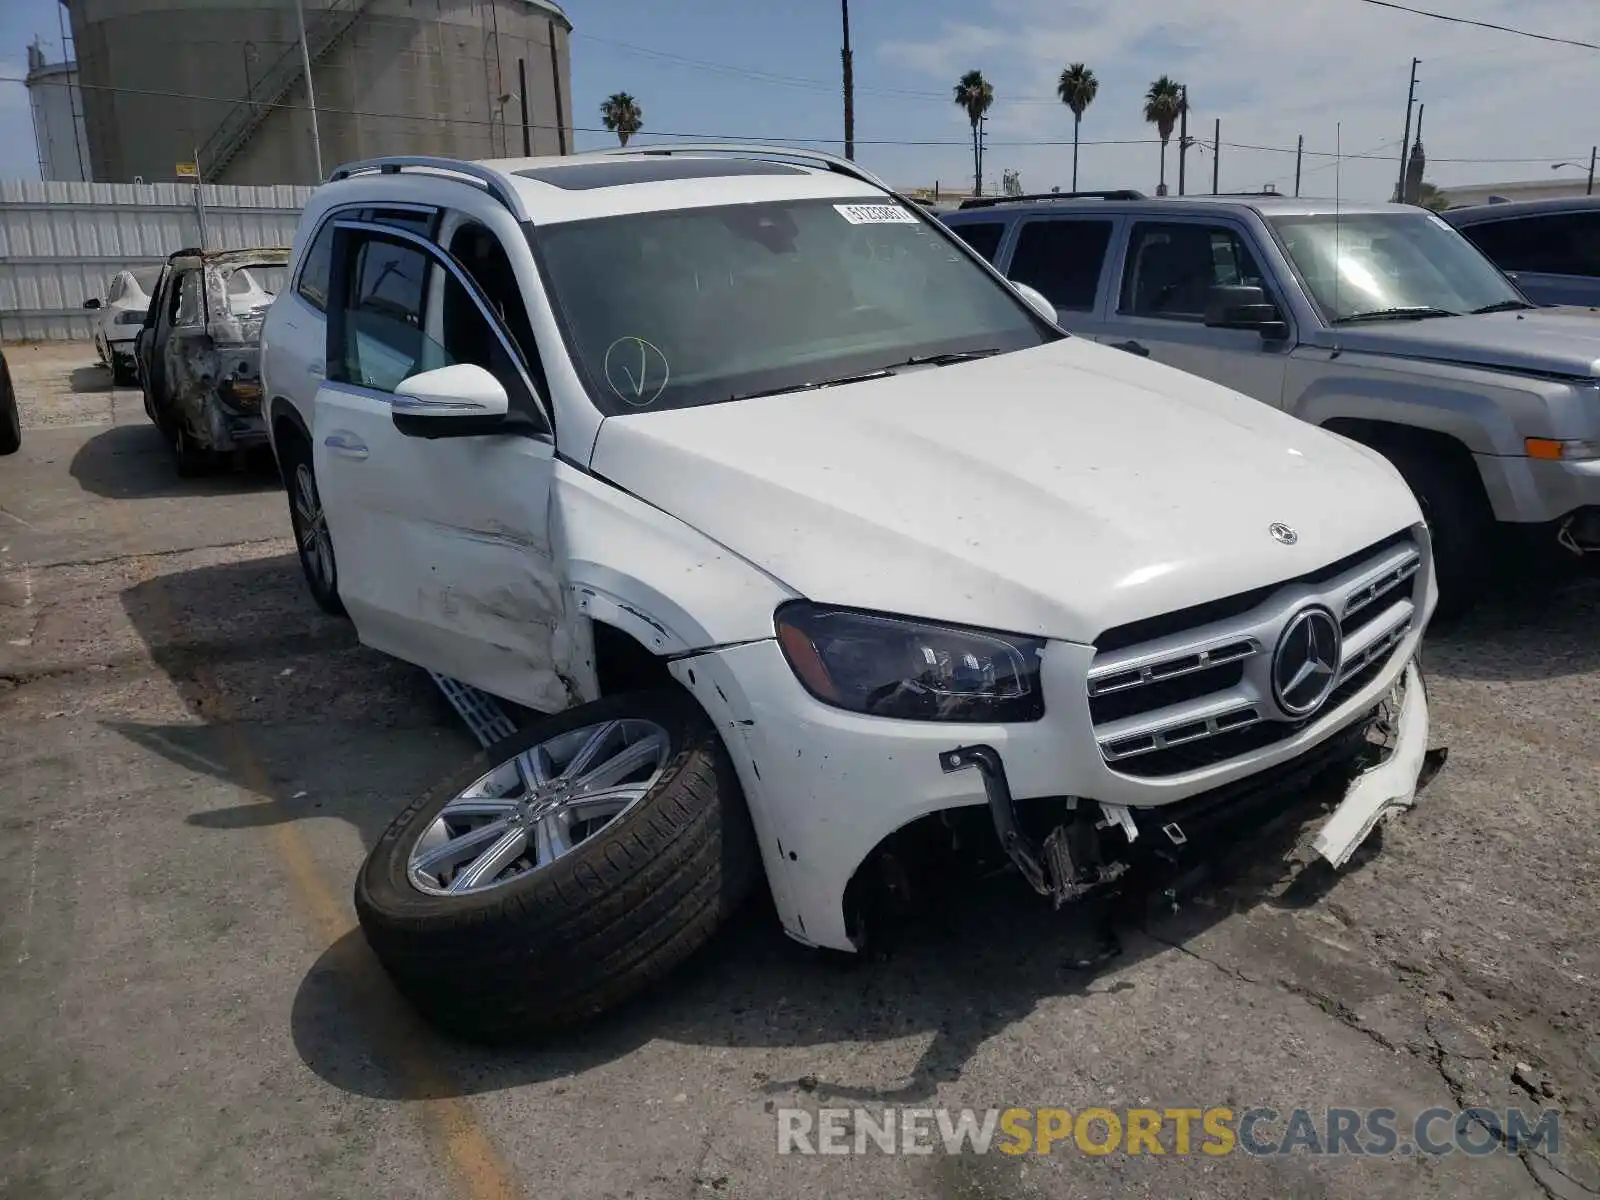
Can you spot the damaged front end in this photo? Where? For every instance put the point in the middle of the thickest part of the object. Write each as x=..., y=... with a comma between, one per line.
x=1072, y=848
x=213, y=357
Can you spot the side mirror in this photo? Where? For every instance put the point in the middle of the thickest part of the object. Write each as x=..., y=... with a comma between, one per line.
x=91, y=302
x=1037, y=301
x=461, y=400
x=1244, y=306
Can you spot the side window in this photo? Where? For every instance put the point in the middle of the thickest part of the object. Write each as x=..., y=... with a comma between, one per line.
x=313, y=286
x=1171, y=268
x=1559, y=244
x=114, y=292
x=982, y=236
x=188, y=306
x=383, y=337
x=465, y=336
x=479, y=253
x=410, y=219
x=1062, y=259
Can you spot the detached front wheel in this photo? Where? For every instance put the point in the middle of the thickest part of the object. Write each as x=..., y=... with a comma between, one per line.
x=568, y=868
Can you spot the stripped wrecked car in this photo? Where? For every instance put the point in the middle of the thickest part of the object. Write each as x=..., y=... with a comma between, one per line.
x=199, y=351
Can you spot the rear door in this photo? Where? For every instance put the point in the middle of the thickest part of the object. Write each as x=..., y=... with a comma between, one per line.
x=443, y=543
x=1555, y=257
x=1065, y=258
x=1167, y=271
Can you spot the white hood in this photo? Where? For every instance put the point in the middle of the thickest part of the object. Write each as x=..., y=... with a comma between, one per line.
x=1056, y=491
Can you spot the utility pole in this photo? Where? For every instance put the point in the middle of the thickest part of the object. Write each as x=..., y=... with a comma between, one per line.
x=1405, y=142
x=1299, y=153
x=311, y=92
x=849, y=86
x=1183, y=133
x=1216, y=155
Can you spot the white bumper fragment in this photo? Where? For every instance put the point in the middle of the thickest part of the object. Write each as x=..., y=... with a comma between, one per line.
x=1390, y=785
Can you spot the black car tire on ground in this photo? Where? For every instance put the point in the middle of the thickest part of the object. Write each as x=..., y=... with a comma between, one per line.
x=562, y=943
x=192, y=461
x=305, y=502
x=10, y=418
x=124, y=375
x=1459, y=519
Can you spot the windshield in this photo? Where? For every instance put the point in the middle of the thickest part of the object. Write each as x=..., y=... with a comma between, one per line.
x=146, y=278
x=674, y=309
x=1369, y=263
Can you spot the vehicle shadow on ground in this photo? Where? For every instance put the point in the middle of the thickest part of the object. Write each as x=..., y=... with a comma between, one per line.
x=131, y=462
x=93, y=378
x=975, y=960
x=1539, y=620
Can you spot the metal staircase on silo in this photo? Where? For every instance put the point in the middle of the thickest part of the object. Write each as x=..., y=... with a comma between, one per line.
x=244, y=119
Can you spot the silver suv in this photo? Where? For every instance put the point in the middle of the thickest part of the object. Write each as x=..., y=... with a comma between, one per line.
x=1378, y=321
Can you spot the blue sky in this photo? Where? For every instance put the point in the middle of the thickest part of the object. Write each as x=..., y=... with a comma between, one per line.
x=1501, y=107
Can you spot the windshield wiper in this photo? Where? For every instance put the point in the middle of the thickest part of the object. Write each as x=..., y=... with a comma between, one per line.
x=1414, y=313
x=944, y=360
x=1503, y=306
x=813, y=385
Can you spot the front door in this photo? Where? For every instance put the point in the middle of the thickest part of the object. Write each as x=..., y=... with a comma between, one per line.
x=443, y=543
x=1168, y=270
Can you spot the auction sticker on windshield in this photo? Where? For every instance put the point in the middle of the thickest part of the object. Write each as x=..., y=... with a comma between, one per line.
x=875, y=214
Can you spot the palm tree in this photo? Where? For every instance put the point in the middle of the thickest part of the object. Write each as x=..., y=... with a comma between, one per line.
x=1077, y=89
x=621, y=114
x=975, y=94
x=1163, y=105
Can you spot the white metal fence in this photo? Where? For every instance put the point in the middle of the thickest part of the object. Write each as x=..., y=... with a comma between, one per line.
x=60, y=243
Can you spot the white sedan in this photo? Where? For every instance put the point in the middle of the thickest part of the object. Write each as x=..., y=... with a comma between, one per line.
x=119, y=316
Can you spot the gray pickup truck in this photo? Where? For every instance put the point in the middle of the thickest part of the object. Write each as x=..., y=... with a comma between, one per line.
x=1377, y=321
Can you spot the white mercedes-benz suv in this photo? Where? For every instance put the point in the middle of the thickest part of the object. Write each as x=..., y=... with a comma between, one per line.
x=804, y=534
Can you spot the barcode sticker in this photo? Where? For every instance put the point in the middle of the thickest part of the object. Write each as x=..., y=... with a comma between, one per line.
x=875, y=214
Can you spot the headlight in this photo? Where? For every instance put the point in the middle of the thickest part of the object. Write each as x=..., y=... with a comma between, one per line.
x=129, y=318
x=897, y=667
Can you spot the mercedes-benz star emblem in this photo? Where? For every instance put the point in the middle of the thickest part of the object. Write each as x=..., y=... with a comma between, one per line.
x=1305, y=665
x=1283, y=533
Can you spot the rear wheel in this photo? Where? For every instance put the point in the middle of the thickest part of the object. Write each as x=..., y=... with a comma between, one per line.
x=312, y=538
x=191, y=459
x=562, y=872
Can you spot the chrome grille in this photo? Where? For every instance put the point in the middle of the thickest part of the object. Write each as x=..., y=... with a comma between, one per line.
x=1184, y=697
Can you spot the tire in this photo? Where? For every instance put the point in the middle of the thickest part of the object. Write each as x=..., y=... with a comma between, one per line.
x=1459, y=518
x=312, y=538
x=124, y=374
x=10, y=417
x=558, y=944
x=191, y=461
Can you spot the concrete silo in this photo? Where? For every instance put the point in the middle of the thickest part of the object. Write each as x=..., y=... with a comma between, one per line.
x=163, y=79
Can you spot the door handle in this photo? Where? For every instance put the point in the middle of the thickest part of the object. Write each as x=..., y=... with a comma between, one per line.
x=1138, y=348
x=346, y=445
x=316, y=370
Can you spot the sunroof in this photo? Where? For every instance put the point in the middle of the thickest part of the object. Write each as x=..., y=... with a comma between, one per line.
x=581, y=177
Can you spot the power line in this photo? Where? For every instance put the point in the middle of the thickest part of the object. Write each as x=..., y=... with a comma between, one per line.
x=729, y=137
x=1454, y=20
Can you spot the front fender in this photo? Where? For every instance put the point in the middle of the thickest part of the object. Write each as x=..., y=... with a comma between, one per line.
x=1484, y=411
x=670, y=587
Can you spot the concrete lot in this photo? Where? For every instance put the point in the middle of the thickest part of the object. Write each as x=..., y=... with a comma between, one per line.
x=195, y=758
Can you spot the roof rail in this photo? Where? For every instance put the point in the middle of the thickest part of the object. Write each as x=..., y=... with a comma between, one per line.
x=490, y=181
x=833, y=162
x=1114, y=194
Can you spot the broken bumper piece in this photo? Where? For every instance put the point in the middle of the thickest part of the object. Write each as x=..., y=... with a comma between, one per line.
x=1387, y=787
x=1070, y=863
